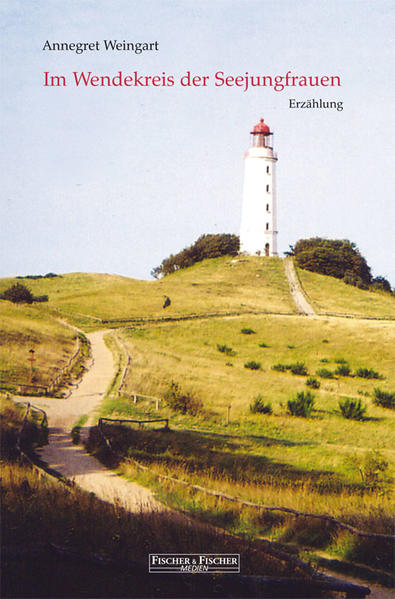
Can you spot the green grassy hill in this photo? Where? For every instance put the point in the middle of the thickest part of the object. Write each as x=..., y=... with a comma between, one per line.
x=331, y=296
x=214, y=286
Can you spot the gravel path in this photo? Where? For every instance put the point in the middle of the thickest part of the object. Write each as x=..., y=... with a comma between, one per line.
x=72, y=461
x=297, y=294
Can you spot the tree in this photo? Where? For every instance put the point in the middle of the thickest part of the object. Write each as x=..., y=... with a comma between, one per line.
x=338, y=258
x=381, y=284
x=207, y=246
x=18, y=294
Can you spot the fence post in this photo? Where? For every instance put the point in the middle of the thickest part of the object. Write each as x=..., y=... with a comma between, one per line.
x=134, y=398
x=157, y=404
x=228, y=414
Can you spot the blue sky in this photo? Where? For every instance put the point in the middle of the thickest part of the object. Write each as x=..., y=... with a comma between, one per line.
x=115, y=179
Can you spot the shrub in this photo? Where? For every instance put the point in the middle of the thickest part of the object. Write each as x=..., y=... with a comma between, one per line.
x=252, y=365
x=281, y=367
x=263, y=344
x=324, y=360
x=291, y=346
x=313, y=383
x=324, y=373
x=247, y=331
x=301, y=405
x=340, y=361
x=181, y=402
x=343, y=370
x=367, y=373
x=226, y=350
x=352, y=409
x=299, y=368
x=18, y=294
x=374, y=471
x=325, y=341
x=211, y=245
x=258, y=406
x=385, y=399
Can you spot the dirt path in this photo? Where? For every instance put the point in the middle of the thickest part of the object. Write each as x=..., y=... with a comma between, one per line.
x=72, y=461
x=297, y=294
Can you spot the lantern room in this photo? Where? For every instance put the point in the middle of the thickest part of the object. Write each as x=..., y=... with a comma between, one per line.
x=261, y=136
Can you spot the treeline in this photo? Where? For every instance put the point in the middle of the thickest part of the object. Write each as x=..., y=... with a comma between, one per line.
x=207, y=246
x=338, y=258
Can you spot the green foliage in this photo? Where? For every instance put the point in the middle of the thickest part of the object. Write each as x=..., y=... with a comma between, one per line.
x=340, y=361
x=381, y=284
x=178, y=401
x=343, y=370
x=367, y=373
x=207, y=246
x=352, y=408
x=19, y=294
x=258, y=406
x=301, y=405
x=263, y=344
x=299, y=368
x=385, y=399
x=252, y=365
x=281, y=367
x=324, y=373
x=313, y=382
x=224, y=349
x=247, y=331
x=334, y=257
x=374, y=471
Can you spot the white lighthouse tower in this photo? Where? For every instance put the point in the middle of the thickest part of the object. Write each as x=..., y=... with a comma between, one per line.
x=258, y=233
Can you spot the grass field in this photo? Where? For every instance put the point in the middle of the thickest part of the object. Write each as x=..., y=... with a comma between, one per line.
x=218, y=285
x=27, y=327
x=332, y=296
x=322, y=464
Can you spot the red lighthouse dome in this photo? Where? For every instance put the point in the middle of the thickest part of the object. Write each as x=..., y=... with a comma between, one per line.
x=261, y=127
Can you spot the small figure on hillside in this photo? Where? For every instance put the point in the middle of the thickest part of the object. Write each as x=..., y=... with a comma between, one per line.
x=167, y=302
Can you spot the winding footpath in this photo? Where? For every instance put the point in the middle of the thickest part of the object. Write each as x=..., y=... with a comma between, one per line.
x=298, y=296
x=72, y=461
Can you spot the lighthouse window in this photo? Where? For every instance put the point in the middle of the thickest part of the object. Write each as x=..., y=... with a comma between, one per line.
x=267, y=187
x=267, y=170
x=267, y=226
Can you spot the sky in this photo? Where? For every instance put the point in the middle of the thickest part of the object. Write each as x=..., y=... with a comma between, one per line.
x=115, y=179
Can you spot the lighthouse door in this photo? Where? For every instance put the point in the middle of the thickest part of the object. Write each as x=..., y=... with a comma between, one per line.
x=267, y=249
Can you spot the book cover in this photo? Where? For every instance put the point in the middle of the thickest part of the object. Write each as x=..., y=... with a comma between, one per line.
x=130, y=131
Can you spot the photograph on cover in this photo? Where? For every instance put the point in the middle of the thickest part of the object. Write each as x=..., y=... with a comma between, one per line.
x=197, y=301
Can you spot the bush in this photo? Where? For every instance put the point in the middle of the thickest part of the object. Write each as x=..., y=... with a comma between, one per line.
x=224, y=349
x=281, y=367
x=181, y=402
x=258, y=406
x=324, y=360
x=385, y=399
x=324, y=373
x=313, y=383
x=247, y=331
x=367, y=373
x=18, y=294
x=263, y=344
x=252, y=365
x=301, y=405
x=340, y=361
x=207, y=246
x=299, y=368
x=343, y=370
x=352, y=409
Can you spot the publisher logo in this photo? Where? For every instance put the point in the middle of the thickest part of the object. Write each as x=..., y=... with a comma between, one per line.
x=184, y=563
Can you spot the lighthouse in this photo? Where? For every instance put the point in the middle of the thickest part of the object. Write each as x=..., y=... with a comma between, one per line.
x=258, y=235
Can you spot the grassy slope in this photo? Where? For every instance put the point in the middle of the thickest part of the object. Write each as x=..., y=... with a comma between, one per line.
x=187, y=353
x=332, y=296
x=27, y=327
x=218, y=285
